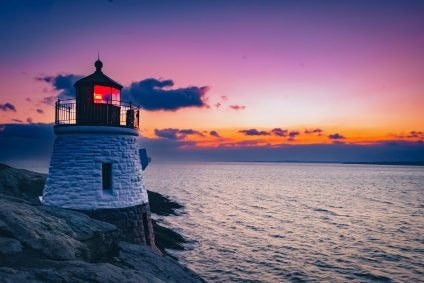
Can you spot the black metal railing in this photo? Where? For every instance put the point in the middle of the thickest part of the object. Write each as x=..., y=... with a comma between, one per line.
x=108, y=113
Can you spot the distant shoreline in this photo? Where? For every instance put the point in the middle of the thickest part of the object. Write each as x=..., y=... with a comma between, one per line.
x=35, y=165
x=410, y=163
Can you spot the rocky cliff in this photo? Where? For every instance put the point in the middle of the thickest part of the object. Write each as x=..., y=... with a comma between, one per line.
x=45, y=244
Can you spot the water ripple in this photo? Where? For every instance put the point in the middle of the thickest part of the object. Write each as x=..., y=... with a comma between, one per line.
x=298, y=222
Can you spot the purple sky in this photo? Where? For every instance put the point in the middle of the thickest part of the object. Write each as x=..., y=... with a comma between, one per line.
x=352, y=68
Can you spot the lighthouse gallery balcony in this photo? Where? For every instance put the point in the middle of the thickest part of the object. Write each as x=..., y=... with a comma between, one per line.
x=100, y=113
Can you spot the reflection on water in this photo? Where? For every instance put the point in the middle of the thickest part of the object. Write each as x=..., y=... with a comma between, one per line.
x=298, y=222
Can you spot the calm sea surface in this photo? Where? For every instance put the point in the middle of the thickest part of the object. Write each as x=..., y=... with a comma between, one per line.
x=297, y=222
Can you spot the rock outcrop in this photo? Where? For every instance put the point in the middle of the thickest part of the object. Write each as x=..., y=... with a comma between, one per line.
x=47, y=244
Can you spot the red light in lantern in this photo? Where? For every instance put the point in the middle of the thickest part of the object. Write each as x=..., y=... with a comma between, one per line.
x=106, y=94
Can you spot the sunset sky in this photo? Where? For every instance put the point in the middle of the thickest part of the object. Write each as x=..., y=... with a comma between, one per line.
x=270, y=74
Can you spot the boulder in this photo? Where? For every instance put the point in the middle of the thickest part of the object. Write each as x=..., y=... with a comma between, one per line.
x=21, y=183
x=75, y=272
x=48, y=244
x=55, y=233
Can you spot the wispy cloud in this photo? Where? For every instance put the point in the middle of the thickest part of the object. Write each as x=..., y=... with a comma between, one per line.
x=176, y=134
x=7, y=107
x=49, y=100
x=254, y=132
x=280, y=132
x=336, y=136
x=292, y=135
x=214, y=133
x=314, y=131
x=24, y=141
x=190, y=132
x=237, y=107
x=63, y=83
x=411, y=135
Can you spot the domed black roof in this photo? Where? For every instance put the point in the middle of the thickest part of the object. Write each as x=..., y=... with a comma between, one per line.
x=98, y=78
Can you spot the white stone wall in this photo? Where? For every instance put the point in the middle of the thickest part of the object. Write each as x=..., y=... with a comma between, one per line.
x=75, y=173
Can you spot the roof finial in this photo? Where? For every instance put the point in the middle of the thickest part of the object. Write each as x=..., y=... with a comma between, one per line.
x=98, y=64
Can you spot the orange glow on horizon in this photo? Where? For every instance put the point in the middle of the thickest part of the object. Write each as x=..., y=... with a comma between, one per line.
x=234, y=138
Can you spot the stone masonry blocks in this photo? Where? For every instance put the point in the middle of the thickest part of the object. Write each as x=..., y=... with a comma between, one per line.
x=75, y=172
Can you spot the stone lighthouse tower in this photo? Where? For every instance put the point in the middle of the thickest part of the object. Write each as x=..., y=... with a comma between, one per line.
x=95, y=166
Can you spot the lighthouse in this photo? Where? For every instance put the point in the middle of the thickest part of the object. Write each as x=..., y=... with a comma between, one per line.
x=95, y=166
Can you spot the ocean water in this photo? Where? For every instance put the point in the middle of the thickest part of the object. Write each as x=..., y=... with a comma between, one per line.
x=270, y=222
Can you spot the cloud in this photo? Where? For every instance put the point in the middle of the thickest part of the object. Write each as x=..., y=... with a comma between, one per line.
x=26, y=142
x=292, y=134
x=217, y=105
x=152, y=95
x=276, y=131
x=168, y=133
x=64, y=83
x=396, y=151
x=176, y=134
x=237, y=107
x=40, y=111
x=279, y=132
x=29, y=142
x=50, y=100
x=29, y=120
x=190, y=132
x=412, y=135
x=416, y=135
x=254, y=132
x=244, y=143
x=314, y=131
x=7, y=107
x=165, y=149
x=214, y=134
x=336, y=136
x=17, y=120
x=224, y=97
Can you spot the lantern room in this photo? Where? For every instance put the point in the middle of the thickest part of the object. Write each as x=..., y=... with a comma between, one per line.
x=98, y=102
